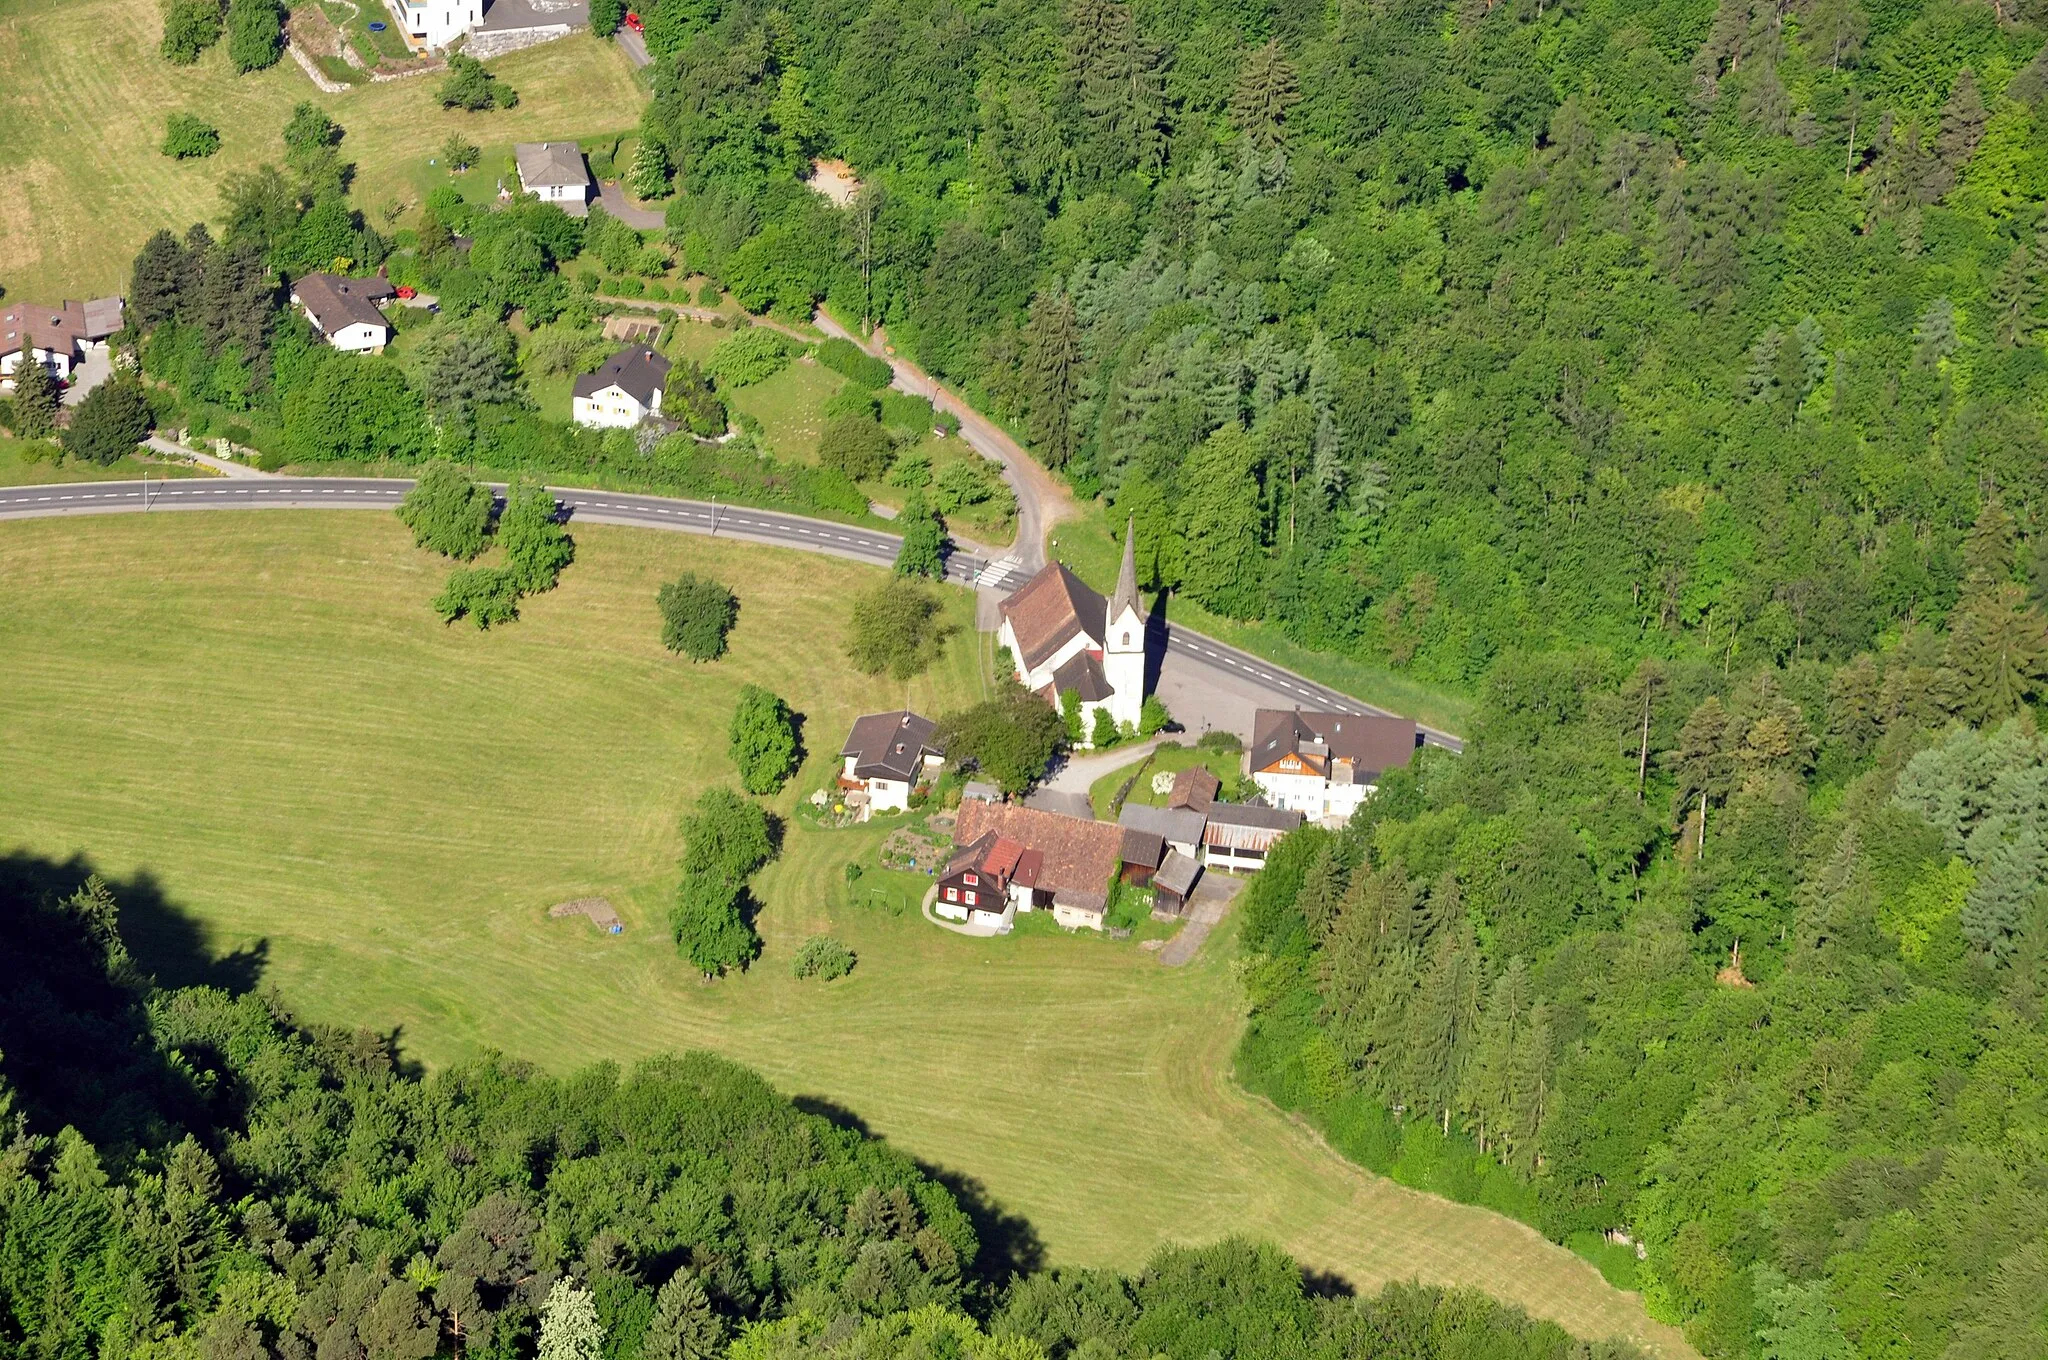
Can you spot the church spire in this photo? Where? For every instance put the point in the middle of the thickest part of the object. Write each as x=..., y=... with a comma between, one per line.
x=1126, y=596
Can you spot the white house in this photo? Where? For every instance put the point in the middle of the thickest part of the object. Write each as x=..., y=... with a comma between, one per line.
x=1323, y=765
x=626, y=391
x=60, y=337
x=345, y=310
x=554, y=173
x=1063, y=636
x=888, y=755
x=492, y=27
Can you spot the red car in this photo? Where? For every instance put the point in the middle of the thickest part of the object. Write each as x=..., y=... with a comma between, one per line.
x=633, y=22
x=406, y=294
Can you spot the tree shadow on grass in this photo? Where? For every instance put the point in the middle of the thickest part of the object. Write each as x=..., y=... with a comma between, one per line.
x=85, y=952
x=1010, y=1245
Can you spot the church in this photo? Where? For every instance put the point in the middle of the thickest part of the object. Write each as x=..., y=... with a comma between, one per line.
x=1063, y=636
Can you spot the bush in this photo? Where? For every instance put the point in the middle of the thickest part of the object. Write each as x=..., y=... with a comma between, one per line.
x=763, y=741
x=903, y=411
x=853, y=400
x=446, y=511
x=895, y=628
x=823, y=957
x=1219, y=739
x=753, y=355
x=859, y=367
x=1154, y=718
x=109, y=423
x=696, y=614
x=470, y=86
x=190, y=27
x=708, y=294
x=487, y=594
x=855, y=446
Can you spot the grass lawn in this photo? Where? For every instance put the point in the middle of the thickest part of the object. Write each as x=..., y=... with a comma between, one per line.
x=89, y=185
x=1170, y=759
x=1090, y=548
x=790, y=405
x=17, y=470
x=258, y=712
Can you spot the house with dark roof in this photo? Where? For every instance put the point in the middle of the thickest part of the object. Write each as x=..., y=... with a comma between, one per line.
x=59, y=337
x=1063, y=636
x=554, y=172
x=345, y=311
x=1063, y=863
x=1239, y=835
x=887, y=755
x=626, y=391
x=1323, y=765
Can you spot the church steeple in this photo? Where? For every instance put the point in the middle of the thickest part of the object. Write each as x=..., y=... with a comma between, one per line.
x=1126, y=596
x=1123, y=639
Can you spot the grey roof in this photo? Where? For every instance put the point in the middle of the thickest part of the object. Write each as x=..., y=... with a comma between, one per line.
x=103, y=316
x=1180, y=825
x=547, y=163
x=1082, y=673
x=1143, y=847
x=505, y=15
x=1178, y=874
x=1094, y=903
x=889, y=745
x=336, y=302
x=981, y=789
x=1253, y=814
x=638, y=372
x=1126, y=596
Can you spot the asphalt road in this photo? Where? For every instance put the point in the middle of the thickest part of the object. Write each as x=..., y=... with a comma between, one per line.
x=1190, y=658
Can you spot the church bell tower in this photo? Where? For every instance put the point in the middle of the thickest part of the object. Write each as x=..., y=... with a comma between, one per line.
x=1123, y=638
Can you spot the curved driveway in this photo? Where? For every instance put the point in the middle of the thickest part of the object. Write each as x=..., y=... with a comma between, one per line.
x=1189, y=659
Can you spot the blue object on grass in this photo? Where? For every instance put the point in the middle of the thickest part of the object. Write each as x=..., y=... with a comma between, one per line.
x=376, y=25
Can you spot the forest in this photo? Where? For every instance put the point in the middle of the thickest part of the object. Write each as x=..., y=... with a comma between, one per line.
x=1737, y=980
x=1425, y=332
x=188, y=1173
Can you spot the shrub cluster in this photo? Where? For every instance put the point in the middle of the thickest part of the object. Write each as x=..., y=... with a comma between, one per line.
x=822, y=957
x=855, y=364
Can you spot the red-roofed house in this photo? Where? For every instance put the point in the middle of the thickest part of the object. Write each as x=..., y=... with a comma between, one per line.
x=1066, y=863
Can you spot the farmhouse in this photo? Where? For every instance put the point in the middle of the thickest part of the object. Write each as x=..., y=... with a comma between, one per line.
x=493, y=27
x=986, y=881
x=1239, y=834
x=553, y=172
x=1063, y=636
x=626, y=391
x=887, y=755
x=1323, y=765
x=345, y=311
x=1065, y=863
x=60, y=337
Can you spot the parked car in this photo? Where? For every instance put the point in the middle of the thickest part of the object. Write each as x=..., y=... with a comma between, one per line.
x=633, y=22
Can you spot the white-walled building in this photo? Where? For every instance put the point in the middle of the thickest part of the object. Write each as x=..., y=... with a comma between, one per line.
x=1063, y=636
x=59, y=337
x=626, y=391
x=345, y=310
x=554, y=172
x=1323, y=765
x=888, y=755
x=492, y=27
